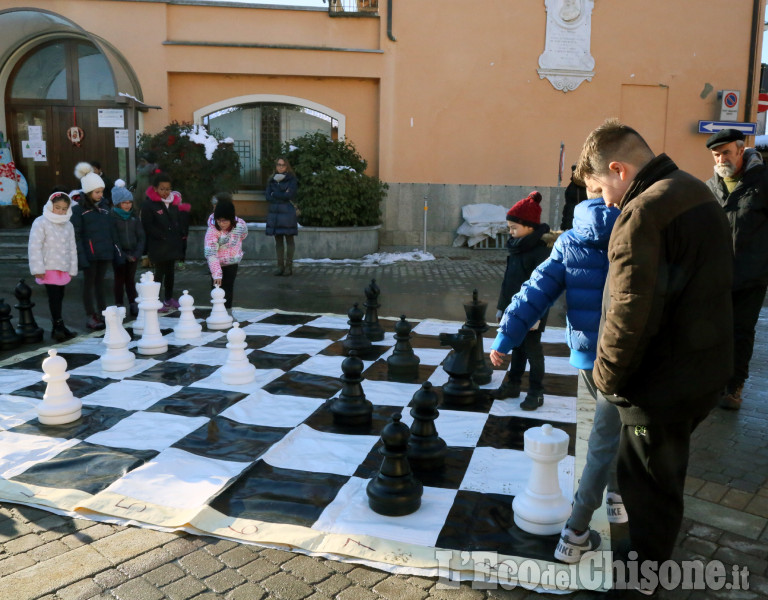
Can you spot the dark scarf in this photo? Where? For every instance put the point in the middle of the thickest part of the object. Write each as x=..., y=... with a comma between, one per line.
x=524, y=244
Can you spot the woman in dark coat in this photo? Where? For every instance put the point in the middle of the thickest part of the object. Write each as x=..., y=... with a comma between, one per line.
x=282, y=216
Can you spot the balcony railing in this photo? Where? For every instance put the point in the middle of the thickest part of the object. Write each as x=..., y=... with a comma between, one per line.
x=352, y=6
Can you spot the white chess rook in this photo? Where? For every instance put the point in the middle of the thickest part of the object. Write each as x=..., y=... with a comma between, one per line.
x=116, y=339
x=188, y=328
x=219, y=317
x=542, y=509
x=237, y=370
x=138, y=324
x=152, y=341
x=59, y=405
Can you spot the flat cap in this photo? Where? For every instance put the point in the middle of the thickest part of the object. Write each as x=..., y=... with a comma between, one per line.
x=724, y=136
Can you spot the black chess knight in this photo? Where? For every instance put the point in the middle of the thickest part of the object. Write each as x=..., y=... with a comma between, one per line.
x=460, y=389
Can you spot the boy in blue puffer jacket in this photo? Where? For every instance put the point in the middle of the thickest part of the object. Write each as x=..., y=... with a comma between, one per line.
x=578, y=265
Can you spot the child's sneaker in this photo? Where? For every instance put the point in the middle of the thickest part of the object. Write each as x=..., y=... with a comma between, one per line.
x=165, y=308
x=173, y=303
x=615, y=508
x=532, y=401
x=571, y=546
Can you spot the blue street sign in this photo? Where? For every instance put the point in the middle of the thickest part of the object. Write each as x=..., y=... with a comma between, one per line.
x=713, y=126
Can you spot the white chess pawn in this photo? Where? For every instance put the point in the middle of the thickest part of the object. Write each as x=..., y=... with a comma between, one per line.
x=219, y=317
x=138, y=324
x=116, y=339
x=542, y=509
x=152, y=341
x=188, y=328
x=59, y=405
x=237, y=369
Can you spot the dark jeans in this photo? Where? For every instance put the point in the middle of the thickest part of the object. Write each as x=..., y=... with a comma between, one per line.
x=651, y=473
x=164, y=273
x=746, y=310
x=125, y=281
x=55, y=300
x=93, y=285
x=228, y=274
x=530, y=351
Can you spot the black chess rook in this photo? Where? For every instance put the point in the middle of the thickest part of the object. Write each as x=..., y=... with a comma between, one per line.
x=351, y=408
x=403, y=364
x=356, y=339
x=475, y=311
x=394, y=491
x=460, y=390
x=426, y=450
x=27, y=329
x=371, y=326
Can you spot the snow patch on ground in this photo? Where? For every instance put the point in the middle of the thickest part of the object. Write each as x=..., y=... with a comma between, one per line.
x=373, y=260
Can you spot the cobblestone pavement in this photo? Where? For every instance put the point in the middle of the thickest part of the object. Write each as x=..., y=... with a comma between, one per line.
x=43, y=555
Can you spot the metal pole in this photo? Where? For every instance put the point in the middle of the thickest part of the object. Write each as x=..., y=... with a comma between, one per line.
x=426, y=209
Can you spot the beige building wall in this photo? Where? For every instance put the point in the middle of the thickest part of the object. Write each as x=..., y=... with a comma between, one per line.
x=456, y=100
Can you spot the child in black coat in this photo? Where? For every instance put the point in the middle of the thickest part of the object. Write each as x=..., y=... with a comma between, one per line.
x=527, y=250
x=131, y=235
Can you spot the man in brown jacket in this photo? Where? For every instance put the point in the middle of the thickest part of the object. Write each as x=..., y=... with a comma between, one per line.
x=666, y=346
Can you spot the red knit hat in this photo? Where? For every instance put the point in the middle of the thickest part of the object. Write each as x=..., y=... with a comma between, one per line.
x=527, y=211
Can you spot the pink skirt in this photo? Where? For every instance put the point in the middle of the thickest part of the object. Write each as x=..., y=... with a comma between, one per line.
x=54, y=278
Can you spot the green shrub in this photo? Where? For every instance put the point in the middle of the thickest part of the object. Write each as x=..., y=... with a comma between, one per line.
x=196, y=176
x=329, y=196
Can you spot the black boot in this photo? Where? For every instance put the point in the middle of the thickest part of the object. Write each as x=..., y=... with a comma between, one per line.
x=533, y=400
x=60, y=333
x=507, y=389
x=288, y=267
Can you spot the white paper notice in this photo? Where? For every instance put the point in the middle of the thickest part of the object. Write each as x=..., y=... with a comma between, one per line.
x=26, y=150
x=121, y=138
x=111, y=117
x=38, y=151
x=35, y=133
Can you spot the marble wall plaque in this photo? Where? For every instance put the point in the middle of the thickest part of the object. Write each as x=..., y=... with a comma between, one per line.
x=566, y=60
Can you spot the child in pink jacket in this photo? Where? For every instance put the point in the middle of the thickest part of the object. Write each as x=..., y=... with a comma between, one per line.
x=224, y=245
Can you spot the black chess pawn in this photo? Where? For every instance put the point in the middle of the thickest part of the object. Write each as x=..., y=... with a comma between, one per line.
x=394, y=491
x=403, y=364
x=9, y=339
x=351, y=408
x=355, y=339
x=475, y=311
x=426, y=450
x=460, y=389
x=371, y=326
x=27, y=328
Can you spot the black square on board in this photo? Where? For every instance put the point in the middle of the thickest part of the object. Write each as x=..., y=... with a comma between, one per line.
x=86, y=467
x=296, y=383
x=276, y=495
x=35, y=363
x=270, y=360
x=80, y=386
x=508, y=432
x=286, y=319
x=173, y=373
x=318, y=333
x=93, y=419
x=197, y=402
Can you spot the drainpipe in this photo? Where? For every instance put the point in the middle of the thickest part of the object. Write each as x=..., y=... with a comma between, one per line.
x=389, y=20
x=757, y=23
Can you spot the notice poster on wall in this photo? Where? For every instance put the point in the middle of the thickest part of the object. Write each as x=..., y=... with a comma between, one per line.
x=35, y=133
x=111, y=117
x=121, y=138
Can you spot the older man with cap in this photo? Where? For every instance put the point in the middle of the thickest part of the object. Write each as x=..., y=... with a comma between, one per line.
x=740, y=184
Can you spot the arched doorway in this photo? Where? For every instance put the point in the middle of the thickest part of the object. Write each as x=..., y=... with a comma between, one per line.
x=58, y=85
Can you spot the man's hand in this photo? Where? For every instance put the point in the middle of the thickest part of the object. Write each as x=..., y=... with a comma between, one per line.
x=497, y=358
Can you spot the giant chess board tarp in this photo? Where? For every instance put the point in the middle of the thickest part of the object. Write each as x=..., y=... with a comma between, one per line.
x=166, y=444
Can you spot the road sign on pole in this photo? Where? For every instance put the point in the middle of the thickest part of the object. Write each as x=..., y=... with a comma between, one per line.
x=714, y=126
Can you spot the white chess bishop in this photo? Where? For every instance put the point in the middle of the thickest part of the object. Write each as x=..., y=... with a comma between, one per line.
x=116, y=339
x=542, y=509
x=59, y=405
x=237, y=369
x=219, y=317
x=188, y=328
